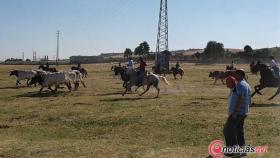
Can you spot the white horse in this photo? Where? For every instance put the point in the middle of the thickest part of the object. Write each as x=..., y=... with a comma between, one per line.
x=151, y=80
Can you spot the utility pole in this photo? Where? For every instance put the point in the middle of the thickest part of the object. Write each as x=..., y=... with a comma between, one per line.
x=22, y=56
x=57, y=48
x=162, y=37
x=33, y=54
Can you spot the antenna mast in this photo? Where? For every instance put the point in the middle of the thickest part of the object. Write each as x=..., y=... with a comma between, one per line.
x=57, y=48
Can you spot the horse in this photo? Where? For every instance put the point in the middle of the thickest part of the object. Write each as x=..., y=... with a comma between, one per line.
x=151, y=79
x=228, y=67
x=46, y=68
x=117, y=70
x=125, y=77
x=83, y=71
x=267, y=79
x=179, y=71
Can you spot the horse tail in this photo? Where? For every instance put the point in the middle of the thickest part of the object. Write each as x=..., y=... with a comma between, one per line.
x=164, y=80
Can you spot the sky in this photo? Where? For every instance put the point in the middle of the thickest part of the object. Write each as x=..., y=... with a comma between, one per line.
x=91, y=27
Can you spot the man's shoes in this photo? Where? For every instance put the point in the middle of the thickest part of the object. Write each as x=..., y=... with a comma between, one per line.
x=243, y=154
x=209, y=156
x=233, y=155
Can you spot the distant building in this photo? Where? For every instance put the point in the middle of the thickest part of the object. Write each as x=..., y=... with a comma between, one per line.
x=86, y=59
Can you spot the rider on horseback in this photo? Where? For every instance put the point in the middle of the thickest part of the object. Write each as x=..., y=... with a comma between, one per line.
x=79, y=65
x=47, y=65
x=129, y=65
x=232, y=64
x=177, y=66
x=141, y=72
x=274, y=67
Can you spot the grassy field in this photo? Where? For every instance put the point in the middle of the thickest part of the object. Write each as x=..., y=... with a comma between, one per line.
x=98, y=122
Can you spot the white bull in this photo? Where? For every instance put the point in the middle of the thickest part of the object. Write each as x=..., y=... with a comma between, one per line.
x=23, y=75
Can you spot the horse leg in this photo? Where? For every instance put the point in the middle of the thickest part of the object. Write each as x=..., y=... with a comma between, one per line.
x=56, y=86
x=50, y=88
x=76, y=85
x=257, y=90
x=156, y=86
x=147, y=89
x=83, y=83
x=69, y=86
x=27, y=83
x=126, y=89
x=40, y=90
x=278, y=91
x=215, y=80
x=253, y=94
x=17, y=83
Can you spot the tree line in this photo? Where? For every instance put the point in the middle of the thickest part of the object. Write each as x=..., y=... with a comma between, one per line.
x=215, y=51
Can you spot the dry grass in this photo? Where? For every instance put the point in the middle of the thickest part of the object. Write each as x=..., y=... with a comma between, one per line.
x=98, y=122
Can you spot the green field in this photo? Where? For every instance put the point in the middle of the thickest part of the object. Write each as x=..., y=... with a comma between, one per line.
x=98, y=122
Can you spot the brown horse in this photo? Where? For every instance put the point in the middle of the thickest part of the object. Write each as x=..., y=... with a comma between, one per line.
x=179, y=71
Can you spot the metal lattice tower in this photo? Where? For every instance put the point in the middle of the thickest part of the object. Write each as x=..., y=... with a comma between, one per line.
x=162, y=36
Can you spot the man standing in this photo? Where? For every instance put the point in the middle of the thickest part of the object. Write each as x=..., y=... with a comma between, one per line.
x=239, y=102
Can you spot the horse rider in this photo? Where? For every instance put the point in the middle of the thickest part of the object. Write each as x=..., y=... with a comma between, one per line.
x=79, y=65
x=47, y=65
x=274, y=66
x=232, y=65
x=178, y=66
x=130, y=65
x=142, y=70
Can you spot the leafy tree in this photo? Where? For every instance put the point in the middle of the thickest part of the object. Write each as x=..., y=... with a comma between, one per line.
x=214, y=49
x=27, y=60
x=248, y=49
x=146, y=48
x=142, y=49
x=248, y=52
x=127, y=52
x=197, y=55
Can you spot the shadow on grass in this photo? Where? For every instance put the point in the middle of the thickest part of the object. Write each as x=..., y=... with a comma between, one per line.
x=125, y=99
x=4, y=126
x=108, y=94
x=43, y=94
x=264, y=105
x=14, y=87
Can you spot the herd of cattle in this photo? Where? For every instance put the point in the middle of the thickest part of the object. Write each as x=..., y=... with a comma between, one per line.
x=48, y=77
